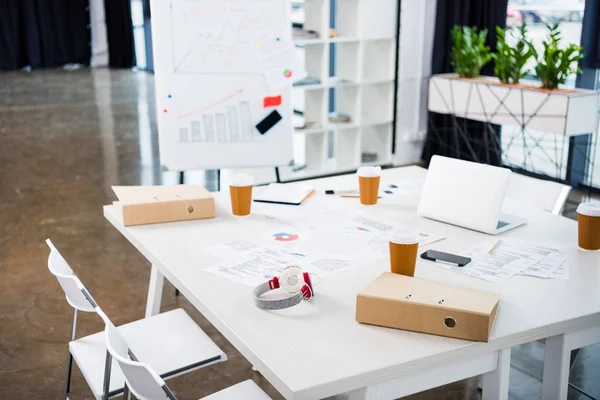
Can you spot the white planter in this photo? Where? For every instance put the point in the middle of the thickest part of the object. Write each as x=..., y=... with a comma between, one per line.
x=562, y=112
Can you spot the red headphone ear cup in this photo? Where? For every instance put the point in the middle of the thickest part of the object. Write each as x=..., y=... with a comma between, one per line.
x=274, y=283
x=306, y=277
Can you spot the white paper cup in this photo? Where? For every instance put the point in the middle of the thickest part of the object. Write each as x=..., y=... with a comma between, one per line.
x=588, y=225
x=368, y=183
x=369, y=172
x=240, y=191
x=404, y=246
x=242, y=180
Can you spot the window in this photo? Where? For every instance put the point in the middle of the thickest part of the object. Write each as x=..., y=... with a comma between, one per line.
x=539, y=13
x=531, y=150
x=139, y=35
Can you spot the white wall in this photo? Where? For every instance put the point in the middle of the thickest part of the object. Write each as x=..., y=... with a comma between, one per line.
x=417, y=27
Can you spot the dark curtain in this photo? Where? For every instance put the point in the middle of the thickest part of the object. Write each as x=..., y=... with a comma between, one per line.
x=443, y=130
x=590, y=37
x=44, y=34
x=119, y=32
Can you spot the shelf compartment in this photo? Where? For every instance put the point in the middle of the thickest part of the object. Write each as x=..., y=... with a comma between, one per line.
x=347, y=18
x=346, y=61
x=316, y=17
x=377, y=19
x=377, y=60
x=377, y=139
x=346, y=101
x=315, y=150
x=377, y=101
x=346, y=149
x=316, y=61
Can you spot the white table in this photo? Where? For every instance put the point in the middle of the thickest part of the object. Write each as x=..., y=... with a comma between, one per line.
x=317, y=349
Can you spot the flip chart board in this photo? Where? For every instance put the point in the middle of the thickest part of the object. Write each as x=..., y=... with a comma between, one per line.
x=213, y=84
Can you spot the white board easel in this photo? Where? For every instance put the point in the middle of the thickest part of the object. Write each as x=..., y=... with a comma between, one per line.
x=210, y=86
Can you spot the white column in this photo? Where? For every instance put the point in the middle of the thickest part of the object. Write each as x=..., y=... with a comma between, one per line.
x=98, y=30
x=415, y=45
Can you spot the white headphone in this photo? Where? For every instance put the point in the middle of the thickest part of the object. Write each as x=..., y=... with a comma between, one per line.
x=292, y=280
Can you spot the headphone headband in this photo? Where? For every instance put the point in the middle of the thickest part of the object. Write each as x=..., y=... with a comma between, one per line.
x=302, y=290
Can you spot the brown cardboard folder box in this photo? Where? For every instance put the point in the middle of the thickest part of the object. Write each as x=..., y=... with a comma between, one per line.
x=414, y=304
x=141, y=205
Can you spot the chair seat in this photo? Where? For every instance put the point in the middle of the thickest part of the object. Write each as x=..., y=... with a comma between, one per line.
x=247, y=390
x=171, y=342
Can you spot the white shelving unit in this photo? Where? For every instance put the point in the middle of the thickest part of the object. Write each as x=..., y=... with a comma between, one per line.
x=363, y=87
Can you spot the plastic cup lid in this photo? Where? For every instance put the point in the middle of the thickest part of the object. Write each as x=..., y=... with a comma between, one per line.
x=242, y=180
x=591, y=209
x=369, y=172
x=404, y=237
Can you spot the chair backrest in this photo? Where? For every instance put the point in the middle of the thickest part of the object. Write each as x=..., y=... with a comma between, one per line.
x=69, y=282
x=538, y=193
x=141, y=379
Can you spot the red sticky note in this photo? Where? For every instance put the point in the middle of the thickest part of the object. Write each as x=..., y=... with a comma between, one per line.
x=272, y=101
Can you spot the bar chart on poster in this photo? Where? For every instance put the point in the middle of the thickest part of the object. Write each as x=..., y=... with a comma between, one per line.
x=223, y=74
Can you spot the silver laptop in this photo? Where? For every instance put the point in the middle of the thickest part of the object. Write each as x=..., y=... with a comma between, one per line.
x=467, y=194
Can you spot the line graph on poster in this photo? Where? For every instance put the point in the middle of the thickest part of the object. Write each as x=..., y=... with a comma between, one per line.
x=220, y=36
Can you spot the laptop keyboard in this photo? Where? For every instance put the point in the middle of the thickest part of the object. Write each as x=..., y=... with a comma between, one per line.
x=501, y=224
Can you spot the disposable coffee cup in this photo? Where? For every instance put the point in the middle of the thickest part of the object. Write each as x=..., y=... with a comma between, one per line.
x=240, y=191
x=368, y=183
x=404, y=247
x=588, y=222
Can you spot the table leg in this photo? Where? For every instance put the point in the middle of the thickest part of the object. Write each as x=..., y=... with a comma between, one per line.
x=495, y=383
x=557, y=356
x=365, y=393
x=557, y=359
x=154, y=292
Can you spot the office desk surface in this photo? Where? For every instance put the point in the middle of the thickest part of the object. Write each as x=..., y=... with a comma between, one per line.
x=317, y=349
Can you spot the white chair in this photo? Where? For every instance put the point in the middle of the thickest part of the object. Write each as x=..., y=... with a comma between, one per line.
x=146, y=384
x=538, y=193
x=171, y=342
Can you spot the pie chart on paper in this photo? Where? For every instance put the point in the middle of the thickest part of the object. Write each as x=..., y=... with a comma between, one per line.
x=285, y=237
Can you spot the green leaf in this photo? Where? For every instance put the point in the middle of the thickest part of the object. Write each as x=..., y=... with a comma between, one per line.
x=556, y=63
x=469, y=52
x=510, y=60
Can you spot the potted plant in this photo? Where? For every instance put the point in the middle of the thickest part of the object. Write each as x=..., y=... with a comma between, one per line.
x=501, y=100
x=557, y=64
x=510, y=60
x=469, y=53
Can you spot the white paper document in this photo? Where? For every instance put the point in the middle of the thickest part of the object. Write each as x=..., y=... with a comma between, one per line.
x=321, y=238
x=552, y=262
x=256, y=265
x=561, y=271
x=253, y=267
x=512, y=257
x=407, y=187
x=335, y=242
x=280, y=61
x=504, y=263
x=380, y=243
x=312, y=214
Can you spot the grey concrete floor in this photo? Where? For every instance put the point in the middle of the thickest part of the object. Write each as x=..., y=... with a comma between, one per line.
x=65, y=138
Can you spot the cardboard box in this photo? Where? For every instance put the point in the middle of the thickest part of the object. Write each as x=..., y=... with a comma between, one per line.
x=140, y=205
x=414, y=304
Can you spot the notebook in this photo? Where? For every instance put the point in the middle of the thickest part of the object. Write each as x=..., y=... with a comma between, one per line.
x=284, y=194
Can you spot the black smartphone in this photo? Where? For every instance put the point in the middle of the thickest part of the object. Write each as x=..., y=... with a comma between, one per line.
x=434, y=255
x=268, y=122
